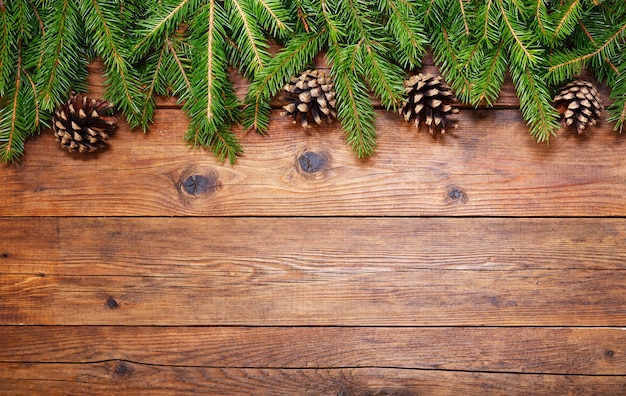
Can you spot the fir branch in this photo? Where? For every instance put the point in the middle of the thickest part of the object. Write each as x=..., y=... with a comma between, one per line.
x=252, y=49
x=123, y=82
x=159, y=26
x=153, y=74
x=567, y=65
x=385, y=78
x=464, y=17
x=408, y=34
x=568, y=17
x=273, y=16
x=212, y=102
x=516, y=38
x=490, y=77
x=7, y=41
x=299, y=52
x=63, y=65
x=535, y=102
x=354, y=107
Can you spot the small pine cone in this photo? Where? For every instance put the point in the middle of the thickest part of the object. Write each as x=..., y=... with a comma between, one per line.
x=428, y=100
x=580, y=104
x=311, y=96
x=81, y=124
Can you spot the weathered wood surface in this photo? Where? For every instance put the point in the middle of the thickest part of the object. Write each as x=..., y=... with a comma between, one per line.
x=489, y=167
x=310, y=271
x=555, y=351
x=475, y=263
x=121, y=378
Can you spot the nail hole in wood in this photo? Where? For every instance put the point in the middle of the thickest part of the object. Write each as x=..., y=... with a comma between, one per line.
x=111, y=303
x=609, y=353
x=5, y=255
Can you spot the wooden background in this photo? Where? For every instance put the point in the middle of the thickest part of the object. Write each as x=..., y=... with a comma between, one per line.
x=474, y=263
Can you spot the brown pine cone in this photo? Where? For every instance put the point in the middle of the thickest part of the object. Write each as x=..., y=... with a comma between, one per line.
x=580, y=104
x=311, y=96
x=81, y=124
x=428, y=100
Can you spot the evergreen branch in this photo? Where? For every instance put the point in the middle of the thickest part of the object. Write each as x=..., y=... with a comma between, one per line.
x=464, y=17
x=567, y=21
x=291, y=60
x=212, y=102
x=527, y=55
x=408, y=33
x=535, y=103
x=151, y=86
x=354, y=107
x=161, y=25
x=7, y=40
x=7, y=153
x=385, y=78
x=122, y=83
x=273, y=16
x=450, y=66
x=568, y=67
x=63, y=64
x=490, y=78
x=36, y=99
x=179, y=65
x=252, y=54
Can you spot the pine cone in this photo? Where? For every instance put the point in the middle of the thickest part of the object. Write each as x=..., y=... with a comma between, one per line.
x=428, y=100
x=312, y=95
x=580, y=104
x=81, y=124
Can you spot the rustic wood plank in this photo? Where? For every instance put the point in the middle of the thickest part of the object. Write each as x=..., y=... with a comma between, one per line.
x=265, y=271
x=491, y=166
x=124, y=378
x=572, y=351
x=167, y=247
x=313, y=296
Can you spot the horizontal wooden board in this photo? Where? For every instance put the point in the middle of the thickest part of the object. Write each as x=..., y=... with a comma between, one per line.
x=283, y=247
x=266, y=271
x=559, y=351
x=489, y=166
x=124, y=378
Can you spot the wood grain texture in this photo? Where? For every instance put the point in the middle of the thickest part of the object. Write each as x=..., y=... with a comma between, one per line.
x=257, y=247
x=265, y=271
x=489, y=167
x=124, y=378
x=558, y=351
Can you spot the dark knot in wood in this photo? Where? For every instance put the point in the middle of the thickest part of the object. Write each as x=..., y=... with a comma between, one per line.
x=196, y=184
x=456, y=194
x=123, y=369
x=313, y=164
x=5, y=255
x=111, y=303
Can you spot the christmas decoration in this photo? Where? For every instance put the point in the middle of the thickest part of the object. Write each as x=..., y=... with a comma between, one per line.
x=187, y=47
x=311, y=95
x=579, y=103
x=428, y=101
x=82, y=124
